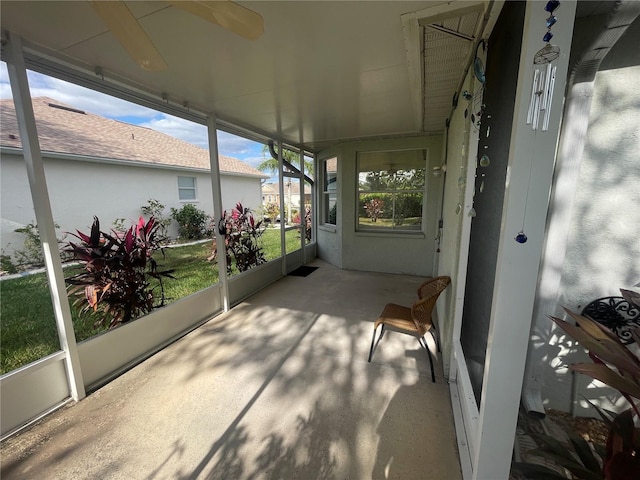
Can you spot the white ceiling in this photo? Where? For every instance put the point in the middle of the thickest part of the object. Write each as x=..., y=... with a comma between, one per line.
x=322, y=72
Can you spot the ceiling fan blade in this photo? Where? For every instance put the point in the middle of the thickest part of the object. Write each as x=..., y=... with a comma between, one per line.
x=230, y=15
x=124, y=26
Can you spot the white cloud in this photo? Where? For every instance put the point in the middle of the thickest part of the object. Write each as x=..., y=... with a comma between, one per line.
x=100, y=104
x=179, y=128
x=237, y=146
x=76, y=96
x=86, y=99
x=253, y=161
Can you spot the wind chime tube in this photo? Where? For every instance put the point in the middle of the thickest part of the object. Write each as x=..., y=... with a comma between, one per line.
x=536, y=105
x=534, y=87
x=547, y=80
x=547, y=113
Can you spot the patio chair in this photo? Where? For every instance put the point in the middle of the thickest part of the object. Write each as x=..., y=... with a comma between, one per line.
x=415, y=320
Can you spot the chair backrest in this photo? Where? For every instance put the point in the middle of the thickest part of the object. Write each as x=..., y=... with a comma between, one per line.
x=428, y=293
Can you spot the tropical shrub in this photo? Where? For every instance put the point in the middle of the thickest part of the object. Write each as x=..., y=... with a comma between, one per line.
x=116, y=272
x=271, y=211
x=383, y=202
x=193, y=223
x=155, y=209
x=617, y=366
x=307, y=222
x=374, y=208
x=241, y=238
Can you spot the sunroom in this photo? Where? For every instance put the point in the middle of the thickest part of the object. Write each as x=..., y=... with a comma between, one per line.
x=437, y=150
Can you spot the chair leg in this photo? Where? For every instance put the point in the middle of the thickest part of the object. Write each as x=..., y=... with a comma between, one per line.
x=434, y=334
x=423, y=343
x=373, y=347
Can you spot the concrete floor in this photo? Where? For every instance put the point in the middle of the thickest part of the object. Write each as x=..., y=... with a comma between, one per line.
x=279, y=387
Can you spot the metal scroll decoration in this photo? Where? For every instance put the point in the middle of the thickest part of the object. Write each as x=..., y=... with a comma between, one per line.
x=615, y=313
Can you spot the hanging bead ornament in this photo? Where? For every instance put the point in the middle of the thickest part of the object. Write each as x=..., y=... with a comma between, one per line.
x=544, y=78
x=462, y=180
x=521, y=237
x=484, y=163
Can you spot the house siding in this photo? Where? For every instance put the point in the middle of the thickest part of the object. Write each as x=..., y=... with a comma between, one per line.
x=78, y=190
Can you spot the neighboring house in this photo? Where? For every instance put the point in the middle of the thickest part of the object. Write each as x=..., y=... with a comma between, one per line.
x=271, y=193
x=115, y=169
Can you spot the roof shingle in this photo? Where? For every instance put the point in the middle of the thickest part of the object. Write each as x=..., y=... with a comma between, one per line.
x=65, y=129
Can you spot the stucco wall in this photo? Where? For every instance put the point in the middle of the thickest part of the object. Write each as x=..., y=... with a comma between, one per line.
x=604, y=234
x=384, y=252
x=239, y=189
x=603, y=249
x=79, y=190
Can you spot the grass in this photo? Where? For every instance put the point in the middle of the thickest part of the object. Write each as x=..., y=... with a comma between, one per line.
x=388, y=222
x=27, y=323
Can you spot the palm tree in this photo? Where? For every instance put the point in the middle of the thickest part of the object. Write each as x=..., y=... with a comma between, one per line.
x=270, y=164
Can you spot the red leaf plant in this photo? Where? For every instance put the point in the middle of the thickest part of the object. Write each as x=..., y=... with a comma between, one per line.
x=617, y=366
x=241, y=238
x=117, y=268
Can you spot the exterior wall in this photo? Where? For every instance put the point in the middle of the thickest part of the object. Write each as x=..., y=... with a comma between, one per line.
x=79, y=190
x=603, y=252
x=410, y=254
x=236, y=189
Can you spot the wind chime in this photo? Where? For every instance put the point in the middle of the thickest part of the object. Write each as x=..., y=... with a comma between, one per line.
x=544, y=78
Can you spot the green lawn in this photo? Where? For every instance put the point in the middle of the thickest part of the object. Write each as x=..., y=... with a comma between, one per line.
x=27, y=324
x=388, y=222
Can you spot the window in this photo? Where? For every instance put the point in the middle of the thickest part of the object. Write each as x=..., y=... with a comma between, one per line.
x=391, y=190
x=330, y=190
x=187, y=188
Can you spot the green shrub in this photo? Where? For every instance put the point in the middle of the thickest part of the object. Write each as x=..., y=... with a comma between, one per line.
x=193, y=223
x=31, y=254
x=271, y=211
x=6, y=264
x=383, y=201
x=155, y=209
x=333, y=214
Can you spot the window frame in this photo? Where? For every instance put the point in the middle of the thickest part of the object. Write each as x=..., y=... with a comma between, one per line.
x=182, y=188
x=393, y=229
x=328, y=193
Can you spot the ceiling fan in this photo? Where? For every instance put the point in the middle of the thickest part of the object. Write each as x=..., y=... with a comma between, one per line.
x=126, y=28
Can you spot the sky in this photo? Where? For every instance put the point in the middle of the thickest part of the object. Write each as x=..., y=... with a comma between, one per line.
x=110, y=107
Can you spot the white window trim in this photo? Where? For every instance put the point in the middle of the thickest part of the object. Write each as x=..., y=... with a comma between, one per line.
x=195, y=189
x=392, y=231
x=326, y=193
